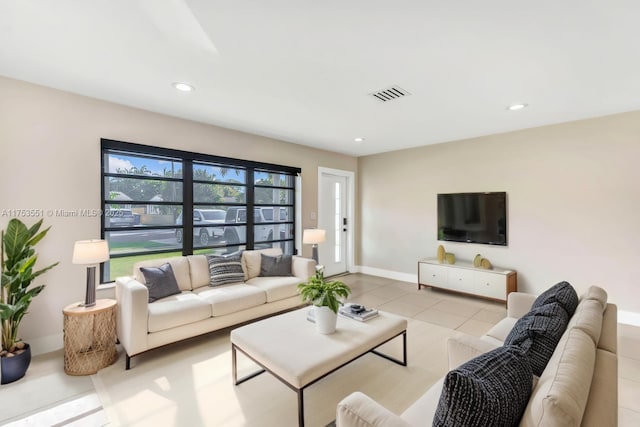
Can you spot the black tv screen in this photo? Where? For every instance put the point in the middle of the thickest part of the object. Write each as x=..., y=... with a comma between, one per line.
x=473, y=218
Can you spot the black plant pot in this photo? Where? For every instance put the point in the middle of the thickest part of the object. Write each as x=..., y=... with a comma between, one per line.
x=14, y=368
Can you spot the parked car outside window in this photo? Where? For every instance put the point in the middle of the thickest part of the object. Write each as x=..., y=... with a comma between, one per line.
x=204, y=217
x=234, y=234
x=119, y=218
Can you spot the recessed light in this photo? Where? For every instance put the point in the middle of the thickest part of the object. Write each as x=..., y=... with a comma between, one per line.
x=515, y=107
x=359, y=139
x=183, y=87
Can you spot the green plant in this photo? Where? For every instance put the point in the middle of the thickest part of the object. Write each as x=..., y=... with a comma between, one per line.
x=323, y=293
x=18, y=258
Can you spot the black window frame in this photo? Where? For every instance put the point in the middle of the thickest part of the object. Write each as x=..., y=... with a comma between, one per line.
x=188, y=204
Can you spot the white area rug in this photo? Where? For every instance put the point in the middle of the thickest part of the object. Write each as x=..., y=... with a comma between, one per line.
x=190, y=384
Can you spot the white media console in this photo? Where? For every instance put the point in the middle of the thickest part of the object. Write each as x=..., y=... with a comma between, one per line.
x=463, y=277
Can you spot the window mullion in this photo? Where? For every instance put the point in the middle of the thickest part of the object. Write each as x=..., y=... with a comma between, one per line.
x=250, y=210
x=187, y=207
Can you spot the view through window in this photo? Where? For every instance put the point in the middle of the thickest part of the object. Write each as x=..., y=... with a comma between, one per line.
x=232, y=205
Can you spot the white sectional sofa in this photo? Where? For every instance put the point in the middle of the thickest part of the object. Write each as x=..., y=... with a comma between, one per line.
x=578, y=387
x=199, y=308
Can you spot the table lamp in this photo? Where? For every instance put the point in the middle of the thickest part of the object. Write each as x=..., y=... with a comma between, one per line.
x=313, y=236
x=90, y=252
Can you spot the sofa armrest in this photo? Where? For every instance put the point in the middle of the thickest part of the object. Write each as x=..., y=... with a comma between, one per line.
x=132, y=314
x=519, y=304
x=359, y=410
x=302, y=267
x=462, y=347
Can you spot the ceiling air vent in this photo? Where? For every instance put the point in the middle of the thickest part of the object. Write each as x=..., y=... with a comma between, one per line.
x=390, y=93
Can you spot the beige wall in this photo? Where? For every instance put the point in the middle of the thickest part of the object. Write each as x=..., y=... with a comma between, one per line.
x=573, y=204
x=50, y=159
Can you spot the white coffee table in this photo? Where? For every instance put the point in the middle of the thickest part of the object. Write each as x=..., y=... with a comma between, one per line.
x=289, y=347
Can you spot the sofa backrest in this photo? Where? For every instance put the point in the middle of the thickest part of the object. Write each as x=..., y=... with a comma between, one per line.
x=563, y=391
x=179, y=264
x=199, y=267
x=560, y=397
x=588, y=318
x=193, y=271
x=252, y=260
x=609, y=336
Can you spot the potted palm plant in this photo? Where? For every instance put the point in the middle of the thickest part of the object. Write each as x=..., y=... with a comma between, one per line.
x=326, y=297
x=18, y=258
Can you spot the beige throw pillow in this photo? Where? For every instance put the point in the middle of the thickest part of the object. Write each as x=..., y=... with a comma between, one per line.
x=252, y=260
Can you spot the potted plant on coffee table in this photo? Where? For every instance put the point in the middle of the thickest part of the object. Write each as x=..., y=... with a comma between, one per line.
x=325, y=295
x=18, y=258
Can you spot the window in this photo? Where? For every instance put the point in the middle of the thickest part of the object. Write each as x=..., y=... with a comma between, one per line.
x=274, y=198
x=231, y=204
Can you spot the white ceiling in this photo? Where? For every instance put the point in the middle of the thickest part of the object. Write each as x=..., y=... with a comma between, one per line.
x=302, y=70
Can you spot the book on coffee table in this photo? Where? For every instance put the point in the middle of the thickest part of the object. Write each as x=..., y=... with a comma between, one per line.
x=366, y=314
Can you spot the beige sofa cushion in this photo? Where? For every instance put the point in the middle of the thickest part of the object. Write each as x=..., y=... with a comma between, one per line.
x=500, y=331
x=462, y=347
x=177, y=310
x=561, y=394
x=199, y=267
x=596, y=293
x=180, y=266
x=588, y=318
x=251, y=261
x=360, y=410
x=277, y=288
x=227, y=299
x=422, y=411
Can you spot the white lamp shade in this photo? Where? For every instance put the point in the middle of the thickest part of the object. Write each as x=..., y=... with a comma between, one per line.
x=90, y=252
x=313, y=236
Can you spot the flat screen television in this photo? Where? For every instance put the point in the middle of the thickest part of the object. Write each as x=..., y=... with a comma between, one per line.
x=473, y=218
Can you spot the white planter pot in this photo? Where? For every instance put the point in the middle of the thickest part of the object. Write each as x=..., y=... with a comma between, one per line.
x=325, y=320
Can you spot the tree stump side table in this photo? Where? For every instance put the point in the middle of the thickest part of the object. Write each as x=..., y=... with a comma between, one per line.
x=89, y=337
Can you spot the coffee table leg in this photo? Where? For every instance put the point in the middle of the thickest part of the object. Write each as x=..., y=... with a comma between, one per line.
x=234, y=367
x=402, y=362
x=300, y=408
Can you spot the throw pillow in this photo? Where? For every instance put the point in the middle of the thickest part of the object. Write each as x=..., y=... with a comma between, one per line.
x=562, y=293
x=271, y=266
x=538, y=332
x=225, y=269
x=492, y=389
x=160, y=281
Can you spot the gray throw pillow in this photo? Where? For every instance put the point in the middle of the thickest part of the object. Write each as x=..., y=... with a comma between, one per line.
x=160, y=281
x=272, y=266
x=225, y=269
x=538, y=332
x=562, y=293
x=492, y=389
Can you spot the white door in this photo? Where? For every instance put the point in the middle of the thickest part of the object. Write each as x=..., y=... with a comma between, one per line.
x=333, y=216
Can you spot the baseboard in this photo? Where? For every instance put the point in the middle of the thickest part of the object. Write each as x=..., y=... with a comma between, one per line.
x=389, y=274
x=46, y=344
x=629, y=318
